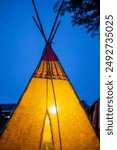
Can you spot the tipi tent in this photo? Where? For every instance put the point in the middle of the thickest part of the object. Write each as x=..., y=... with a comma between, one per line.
x=49, y=115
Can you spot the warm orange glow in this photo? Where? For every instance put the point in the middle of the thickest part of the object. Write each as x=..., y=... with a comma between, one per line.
x=75, y=129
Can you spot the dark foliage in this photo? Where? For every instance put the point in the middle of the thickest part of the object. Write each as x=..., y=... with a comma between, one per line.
x=83, y=12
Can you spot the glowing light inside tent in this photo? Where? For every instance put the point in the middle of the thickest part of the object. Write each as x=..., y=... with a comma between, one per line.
x=53, y=109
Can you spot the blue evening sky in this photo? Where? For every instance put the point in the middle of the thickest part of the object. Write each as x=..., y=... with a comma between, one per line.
x=21, y=46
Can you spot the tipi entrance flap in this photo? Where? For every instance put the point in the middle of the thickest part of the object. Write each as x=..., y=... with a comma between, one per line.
x=47, y=139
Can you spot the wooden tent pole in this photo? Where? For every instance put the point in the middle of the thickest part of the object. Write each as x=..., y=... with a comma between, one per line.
x=55, y=21
x=37, y=25
x=55, y=31
x=39, y=21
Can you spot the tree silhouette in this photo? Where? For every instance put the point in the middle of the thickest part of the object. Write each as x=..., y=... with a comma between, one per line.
x=83, y=12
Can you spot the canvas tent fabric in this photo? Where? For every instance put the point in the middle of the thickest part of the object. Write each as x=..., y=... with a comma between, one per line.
x=49, y=115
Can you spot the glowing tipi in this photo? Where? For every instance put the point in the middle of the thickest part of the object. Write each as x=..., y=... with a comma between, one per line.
x=49, y=115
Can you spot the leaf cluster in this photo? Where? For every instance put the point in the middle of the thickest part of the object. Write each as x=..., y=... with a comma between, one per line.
x=83, y=12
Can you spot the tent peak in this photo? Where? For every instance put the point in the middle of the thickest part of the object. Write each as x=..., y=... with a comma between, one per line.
x=54, y=27
x=49, y=66
x=48, y=54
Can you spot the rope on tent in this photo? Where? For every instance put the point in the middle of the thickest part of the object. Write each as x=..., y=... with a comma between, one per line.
x=46, y=107
x=50, y=73
x=47, y=113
